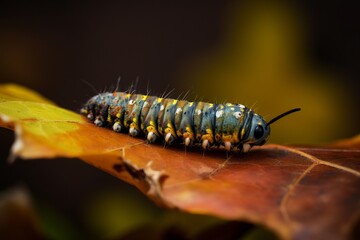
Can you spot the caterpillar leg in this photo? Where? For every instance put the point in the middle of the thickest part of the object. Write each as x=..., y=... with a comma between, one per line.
x=207, y=139
x=99, y=122
x=187, y=141
x=205, y=144
x=169, y=138
x=228, y=146
x=117, y=127
x=152, y=134
x=246, y=147
x=90, y=116
x=188, y=136
x=151, y=137
x=133, y=131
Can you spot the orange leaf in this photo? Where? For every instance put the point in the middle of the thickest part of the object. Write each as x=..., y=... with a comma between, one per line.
x=300, y=192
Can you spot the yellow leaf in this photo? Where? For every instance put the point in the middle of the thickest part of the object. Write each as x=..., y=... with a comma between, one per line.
x=16, y=92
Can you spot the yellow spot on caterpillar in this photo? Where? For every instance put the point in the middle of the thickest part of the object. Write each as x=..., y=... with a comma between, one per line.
x=118, y=115
x=159, y=100
x=170, y=129
x=144, y=97
x=179, y=133
x=133, y=125
x=209, y=136
x=152, y=129
x=109, y=119
x=227, y=138
x=188, y=133
x=242, y=133
x=235, y=137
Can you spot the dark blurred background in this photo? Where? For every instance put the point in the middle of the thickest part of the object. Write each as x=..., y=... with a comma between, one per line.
x=272, y=56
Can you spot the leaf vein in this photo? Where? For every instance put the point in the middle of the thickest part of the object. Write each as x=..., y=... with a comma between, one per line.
x=315, y=159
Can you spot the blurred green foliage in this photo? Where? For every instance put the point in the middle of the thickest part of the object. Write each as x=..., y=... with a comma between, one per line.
x=54, y=224
x=113, y=215
x=262, y=63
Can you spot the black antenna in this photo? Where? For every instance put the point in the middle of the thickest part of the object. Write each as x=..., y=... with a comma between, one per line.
x=283, y=115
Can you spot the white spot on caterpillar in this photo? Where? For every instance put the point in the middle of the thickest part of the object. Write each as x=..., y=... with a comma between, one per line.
x=219, y=113
x=162, y=107
x=131, y=102
x=145, y=103
x=237, y=115
x=198, y=112
x=241, y=106
x=179, y=110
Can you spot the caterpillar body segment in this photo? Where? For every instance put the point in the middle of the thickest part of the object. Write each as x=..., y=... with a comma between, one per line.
x=207, y=131
x=192, y=123
x=116, y=111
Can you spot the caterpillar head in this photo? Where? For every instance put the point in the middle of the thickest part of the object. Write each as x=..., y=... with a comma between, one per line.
x=259, y=129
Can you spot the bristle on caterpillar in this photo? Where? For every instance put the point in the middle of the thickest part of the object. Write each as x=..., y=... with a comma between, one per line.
x=232, y=126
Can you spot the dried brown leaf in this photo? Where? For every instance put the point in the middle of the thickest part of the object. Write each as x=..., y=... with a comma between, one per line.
x=300, y=192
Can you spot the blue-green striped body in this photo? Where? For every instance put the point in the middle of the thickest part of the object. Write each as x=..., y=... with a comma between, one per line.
x=207, y=124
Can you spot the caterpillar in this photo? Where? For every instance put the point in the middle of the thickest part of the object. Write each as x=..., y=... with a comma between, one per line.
x=232, y=126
